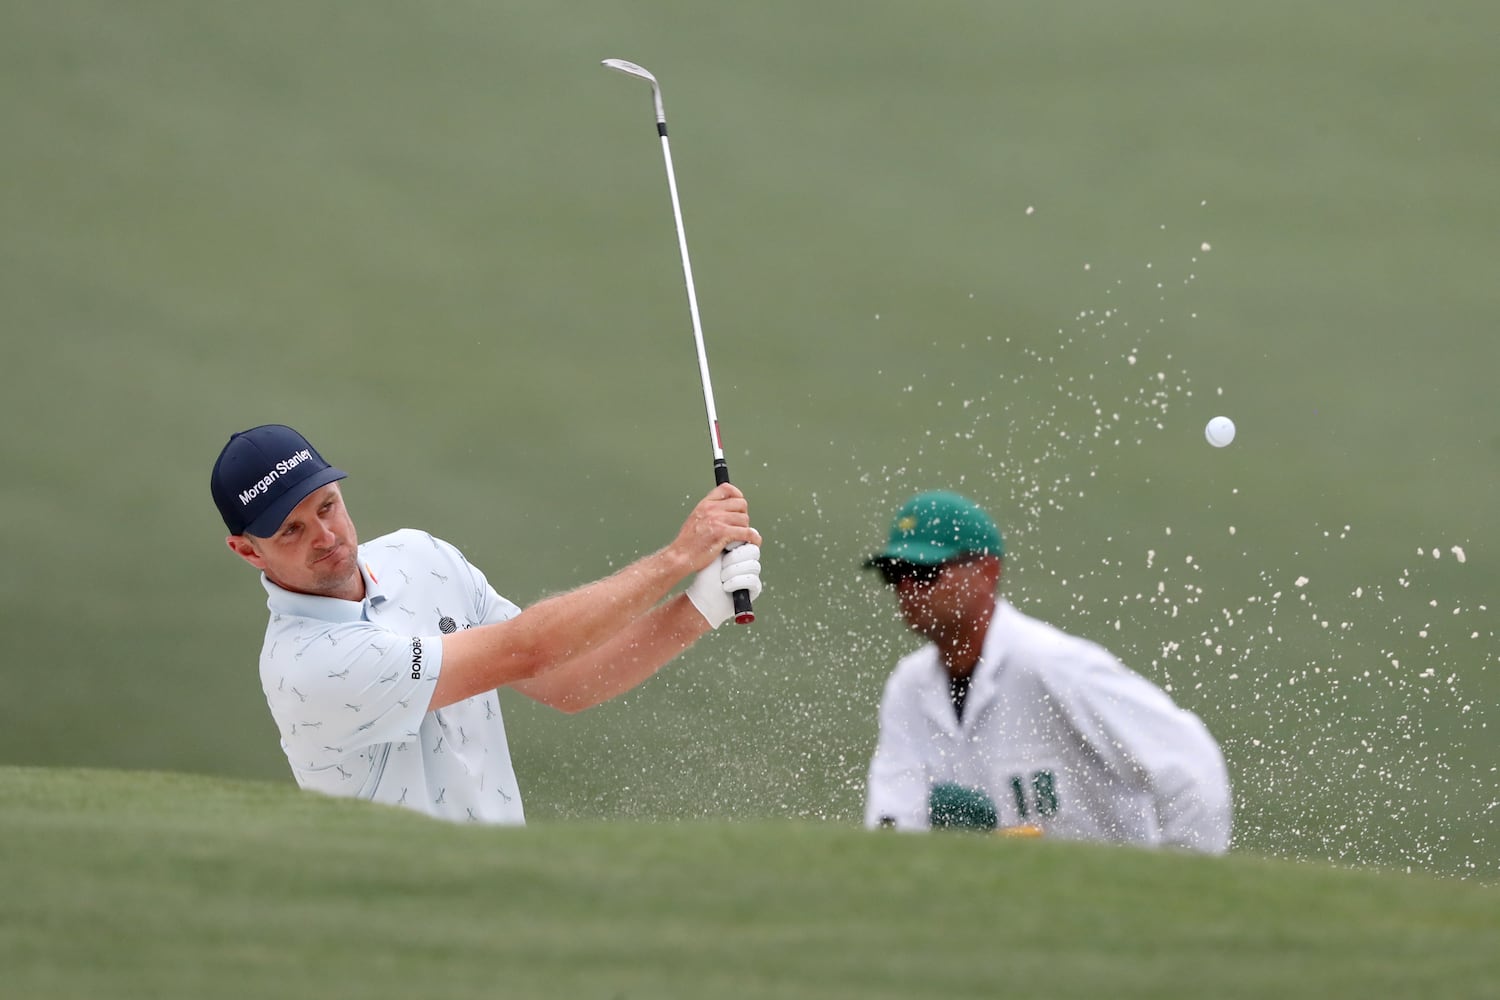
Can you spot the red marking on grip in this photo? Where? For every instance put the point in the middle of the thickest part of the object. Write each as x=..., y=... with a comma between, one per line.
x=744, y=618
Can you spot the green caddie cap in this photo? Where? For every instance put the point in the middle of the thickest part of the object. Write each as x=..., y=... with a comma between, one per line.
x=937, y=526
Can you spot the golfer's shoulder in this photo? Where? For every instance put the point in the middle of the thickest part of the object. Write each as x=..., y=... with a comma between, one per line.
x=410, y=546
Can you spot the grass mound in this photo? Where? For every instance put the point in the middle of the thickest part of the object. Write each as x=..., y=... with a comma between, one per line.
x=139, y=884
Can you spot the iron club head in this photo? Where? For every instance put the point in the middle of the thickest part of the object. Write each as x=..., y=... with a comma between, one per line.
x=631, y=69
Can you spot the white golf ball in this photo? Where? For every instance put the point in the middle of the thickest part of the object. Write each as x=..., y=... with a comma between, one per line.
x=1220, y=431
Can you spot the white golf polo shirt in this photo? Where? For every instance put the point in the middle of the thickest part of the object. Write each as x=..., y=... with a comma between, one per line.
x=349, y=682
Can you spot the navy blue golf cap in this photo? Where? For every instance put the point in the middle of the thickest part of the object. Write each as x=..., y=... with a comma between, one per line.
x=262, y=474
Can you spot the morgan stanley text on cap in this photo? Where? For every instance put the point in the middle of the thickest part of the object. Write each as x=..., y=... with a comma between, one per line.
x=262, y=474
x=934, y=527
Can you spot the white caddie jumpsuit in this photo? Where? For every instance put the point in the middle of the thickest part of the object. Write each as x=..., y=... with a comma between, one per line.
x=1059, y=734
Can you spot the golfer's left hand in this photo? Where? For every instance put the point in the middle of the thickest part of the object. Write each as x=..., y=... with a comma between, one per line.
x=736, y=569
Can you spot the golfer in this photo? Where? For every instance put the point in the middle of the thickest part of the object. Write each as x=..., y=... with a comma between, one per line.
x=1003, y=721
x=381, y=660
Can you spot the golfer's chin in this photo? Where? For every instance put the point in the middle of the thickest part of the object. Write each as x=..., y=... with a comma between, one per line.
x=330, y=576
x=335, y=568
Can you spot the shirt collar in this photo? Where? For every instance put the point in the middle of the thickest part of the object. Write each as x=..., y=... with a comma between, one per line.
x=325, y=609
x=993, y=652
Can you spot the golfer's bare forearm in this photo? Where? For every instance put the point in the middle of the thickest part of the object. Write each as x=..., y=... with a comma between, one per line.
x=615, y=666
x=553, y=631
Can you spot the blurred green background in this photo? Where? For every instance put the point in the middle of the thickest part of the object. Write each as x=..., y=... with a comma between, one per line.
x=1022, y=250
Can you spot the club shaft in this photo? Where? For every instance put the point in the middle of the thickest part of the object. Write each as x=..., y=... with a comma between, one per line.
x=744, y=613
x=720, y=467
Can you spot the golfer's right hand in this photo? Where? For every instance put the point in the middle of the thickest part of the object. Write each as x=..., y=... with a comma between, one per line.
x=720, y=521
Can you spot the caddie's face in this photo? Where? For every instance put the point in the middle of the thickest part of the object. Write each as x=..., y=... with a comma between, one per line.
x=315, y=551
x=942, y=606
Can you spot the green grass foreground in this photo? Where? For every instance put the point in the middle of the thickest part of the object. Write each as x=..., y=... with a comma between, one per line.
x=135, y=884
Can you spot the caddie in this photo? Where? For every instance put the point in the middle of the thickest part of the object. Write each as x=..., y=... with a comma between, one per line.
x=382, y=660
x=1007, y=722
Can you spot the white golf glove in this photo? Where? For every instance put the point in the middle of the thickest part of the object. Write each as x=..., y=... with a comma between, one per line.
x=712, y=589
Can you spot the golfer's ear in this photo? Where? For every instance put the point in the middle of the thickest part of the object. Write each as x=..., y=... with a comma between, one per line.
x=241, y=546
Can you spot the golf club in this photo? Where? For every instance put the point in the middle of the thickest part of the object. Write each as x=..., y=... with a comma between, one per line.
x=743, y=613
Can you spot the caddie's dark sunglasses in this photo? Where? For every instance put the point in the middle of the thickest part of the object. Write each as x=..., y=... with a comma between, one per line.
x=895, y=573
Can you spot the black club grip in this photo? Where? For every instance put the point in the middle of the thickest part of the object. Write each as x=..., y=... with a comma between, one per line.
x=744, y=614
